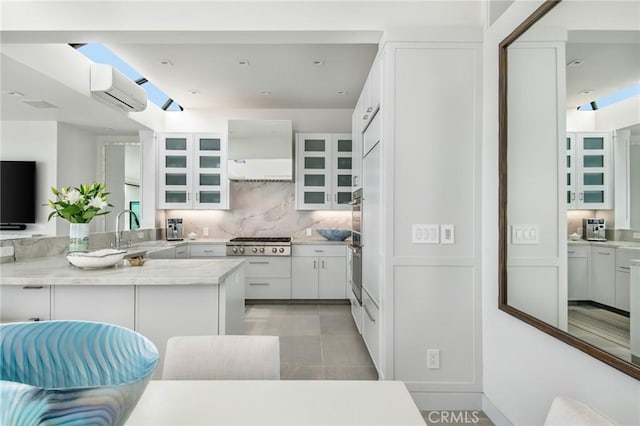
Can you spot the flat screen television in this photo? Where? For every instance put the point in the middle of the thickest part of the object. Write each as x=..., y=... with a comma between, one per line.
x=17, y=194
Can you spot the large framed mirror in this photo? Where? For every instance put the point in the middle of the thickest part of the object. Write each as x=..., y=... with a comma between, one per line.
x=569, y=155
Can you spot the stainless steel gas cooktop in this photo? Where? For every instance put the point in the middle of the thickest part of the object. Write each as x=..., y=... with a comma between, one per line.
x=259, y=246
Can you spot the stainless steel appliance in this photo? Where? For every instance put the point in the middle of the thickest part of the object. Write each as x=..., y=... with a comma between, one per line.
x=259, y=246
x=593, y=229
x=356, y=245
x=175, y=230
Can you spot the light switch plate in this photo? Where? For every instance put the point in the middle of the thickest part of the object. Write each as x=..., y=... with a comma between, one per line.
x=525, y=234
x=447, y=234
x=425, y=234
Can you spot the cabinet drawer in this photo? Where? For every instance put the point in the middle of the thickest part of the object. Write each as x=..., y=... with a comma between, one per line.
x=268, y=288
x=578, y=251
x=182, y=252
x=319, y=250
x=624, y=257
x=267, y=267
x=208, y=250
x=371, y=327
x=25, y=303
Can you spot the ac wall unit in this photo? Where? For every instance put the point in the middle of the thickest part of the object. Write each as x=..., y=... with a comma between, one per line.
x=114, y=88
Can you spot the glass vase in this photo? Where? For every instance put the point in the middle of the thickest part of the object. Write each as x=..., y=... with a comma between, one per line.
x=78, y=237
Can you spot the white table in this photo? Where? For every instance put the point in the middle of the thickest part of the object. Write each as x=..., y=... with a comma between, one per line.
x=275, y=402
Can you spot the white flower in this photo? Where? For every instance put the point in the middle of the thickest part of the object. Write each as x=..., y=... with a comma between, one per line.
x=73, y=197
x=98, y=203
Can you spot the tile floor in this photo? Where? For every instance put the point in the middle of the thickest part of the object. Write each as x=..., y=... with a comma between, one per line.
x=316, y=341
x=321, y=342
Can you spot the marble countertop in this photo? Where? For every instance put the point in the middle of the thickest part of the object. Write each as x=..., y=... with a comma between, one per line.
x=610, y=244
x=57, y=271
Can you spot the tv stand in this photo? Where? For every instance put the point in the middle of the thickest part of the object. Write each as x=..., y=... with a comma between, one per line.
x=12, y=226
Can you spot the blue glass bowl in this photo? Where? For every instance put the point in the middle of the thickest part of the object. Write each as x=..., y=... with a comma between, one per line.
x=335, y=234
x=72, y=372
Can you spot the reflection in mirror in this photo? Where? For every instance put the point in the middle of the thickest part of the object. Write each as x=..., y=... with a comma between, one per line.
x=566, y=156
x=121, y=162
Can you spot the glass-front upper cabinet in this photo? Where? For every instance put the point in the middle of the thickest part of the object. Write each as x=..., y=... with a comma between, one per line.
x=589, y=177
x=192, y=172
x=323, y=171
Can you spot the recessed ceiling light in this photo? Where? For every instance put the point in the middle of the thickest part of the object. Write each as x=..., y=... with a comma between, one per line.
x=576, y=63
x=166, y=62
x=265, y=93
x=585, y=92
x=318, y=62
x=342, y=92
x=244, y=62
x=193, y=92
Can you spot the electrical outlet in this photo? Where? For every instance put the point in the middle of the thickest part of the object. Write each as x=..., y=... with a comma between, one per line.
x=433, y=358
x=309, y=232
x=205, y=231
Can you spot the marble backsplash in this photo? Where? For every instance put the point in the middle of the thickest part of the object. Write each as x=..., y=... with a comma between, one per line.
x=261, y=209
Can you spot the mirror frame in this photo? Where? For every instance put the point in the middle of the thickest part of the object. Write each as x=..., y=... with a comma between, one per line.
x=615, y=362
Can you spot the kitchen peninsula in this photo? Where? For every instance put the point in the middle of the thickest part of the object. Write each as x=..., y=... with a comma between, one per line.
x=161, y=299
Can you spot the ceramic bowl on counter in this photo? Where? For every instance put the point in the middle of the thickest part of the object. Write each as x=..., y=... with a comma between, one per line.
x=96, y=259
x=72, y=372
x=335, y=234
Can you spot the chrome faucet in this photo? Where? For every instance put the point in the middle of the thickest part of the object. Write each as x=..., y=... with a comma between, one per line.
x=118, y=237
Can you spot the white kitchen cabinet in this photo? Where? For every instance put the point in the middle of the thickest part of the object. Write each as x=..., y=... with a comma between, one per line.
x=602, y=275
x=163, y=253
x=268, y=277
x=318, y=272
x=110, y=304
x=25, y=303
x=371, y=327
x=624, y=256
x=578, y=272
x=371, y=223
x=182, y=252
x=589, y=171
x=356, y=137
x=323, y=171
x=192, y=171
x=370, y=96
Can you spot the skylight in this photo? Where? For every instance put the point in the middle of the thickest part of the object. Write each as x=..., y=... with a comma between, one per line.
x=611, y=98
x=100, y=54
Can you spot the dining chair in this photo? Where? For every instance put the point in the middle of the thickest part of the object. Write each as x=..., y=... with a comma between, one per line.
x=233, y=357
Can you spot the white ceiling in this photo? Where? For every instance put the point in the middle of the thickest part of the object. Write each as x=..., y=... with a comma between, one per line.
x=278, y=75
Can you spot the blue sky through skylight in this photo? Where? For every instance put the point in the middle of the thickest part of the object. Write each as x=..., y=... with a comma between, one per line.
x=100, y=54
x=613, y=98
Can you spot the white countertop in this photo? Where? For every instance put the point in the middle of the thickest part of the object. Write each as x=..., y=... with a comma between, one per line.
x=275, y=402
x=610, y=244
x=57, y=271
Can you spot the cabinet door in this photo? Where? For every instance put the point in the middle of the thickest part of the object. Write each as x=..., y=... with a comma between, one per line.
x=593, y=171
x=356, y=171
x=304, y=278
x=603, y=264
x=182, y=252
x=578, y=284
x=371, y=224
x=175, y=171
x=210, y=180
x=164, y=311
x=313, y=178
x=341, y=171
x=570, y=141
x=25, y=303
x=371, y=327
x=331, y=281
x=623, y=290
x=110, y=304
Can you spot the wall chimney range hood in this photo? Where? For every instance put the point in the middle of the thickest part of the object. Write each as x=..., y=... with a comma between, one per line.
x=260, y=150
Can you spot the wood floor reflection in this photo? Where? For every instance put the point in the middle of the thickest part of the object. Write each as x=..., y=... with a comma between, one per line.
x=600, y=327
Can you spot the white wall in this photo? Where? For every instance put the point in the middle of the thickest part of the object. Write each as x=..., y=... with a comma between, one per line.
x=34, y=141
x=525, y=368
x=77, y=151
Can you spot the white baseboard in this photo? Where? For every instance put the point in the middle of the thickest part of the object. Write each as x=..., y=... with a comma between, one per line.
x=494, y=413
x=447, y=400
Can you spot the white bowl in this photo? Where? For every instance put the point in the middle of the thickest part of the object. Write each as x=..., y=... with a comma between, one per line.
x=96, y=259
x=575, y=237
